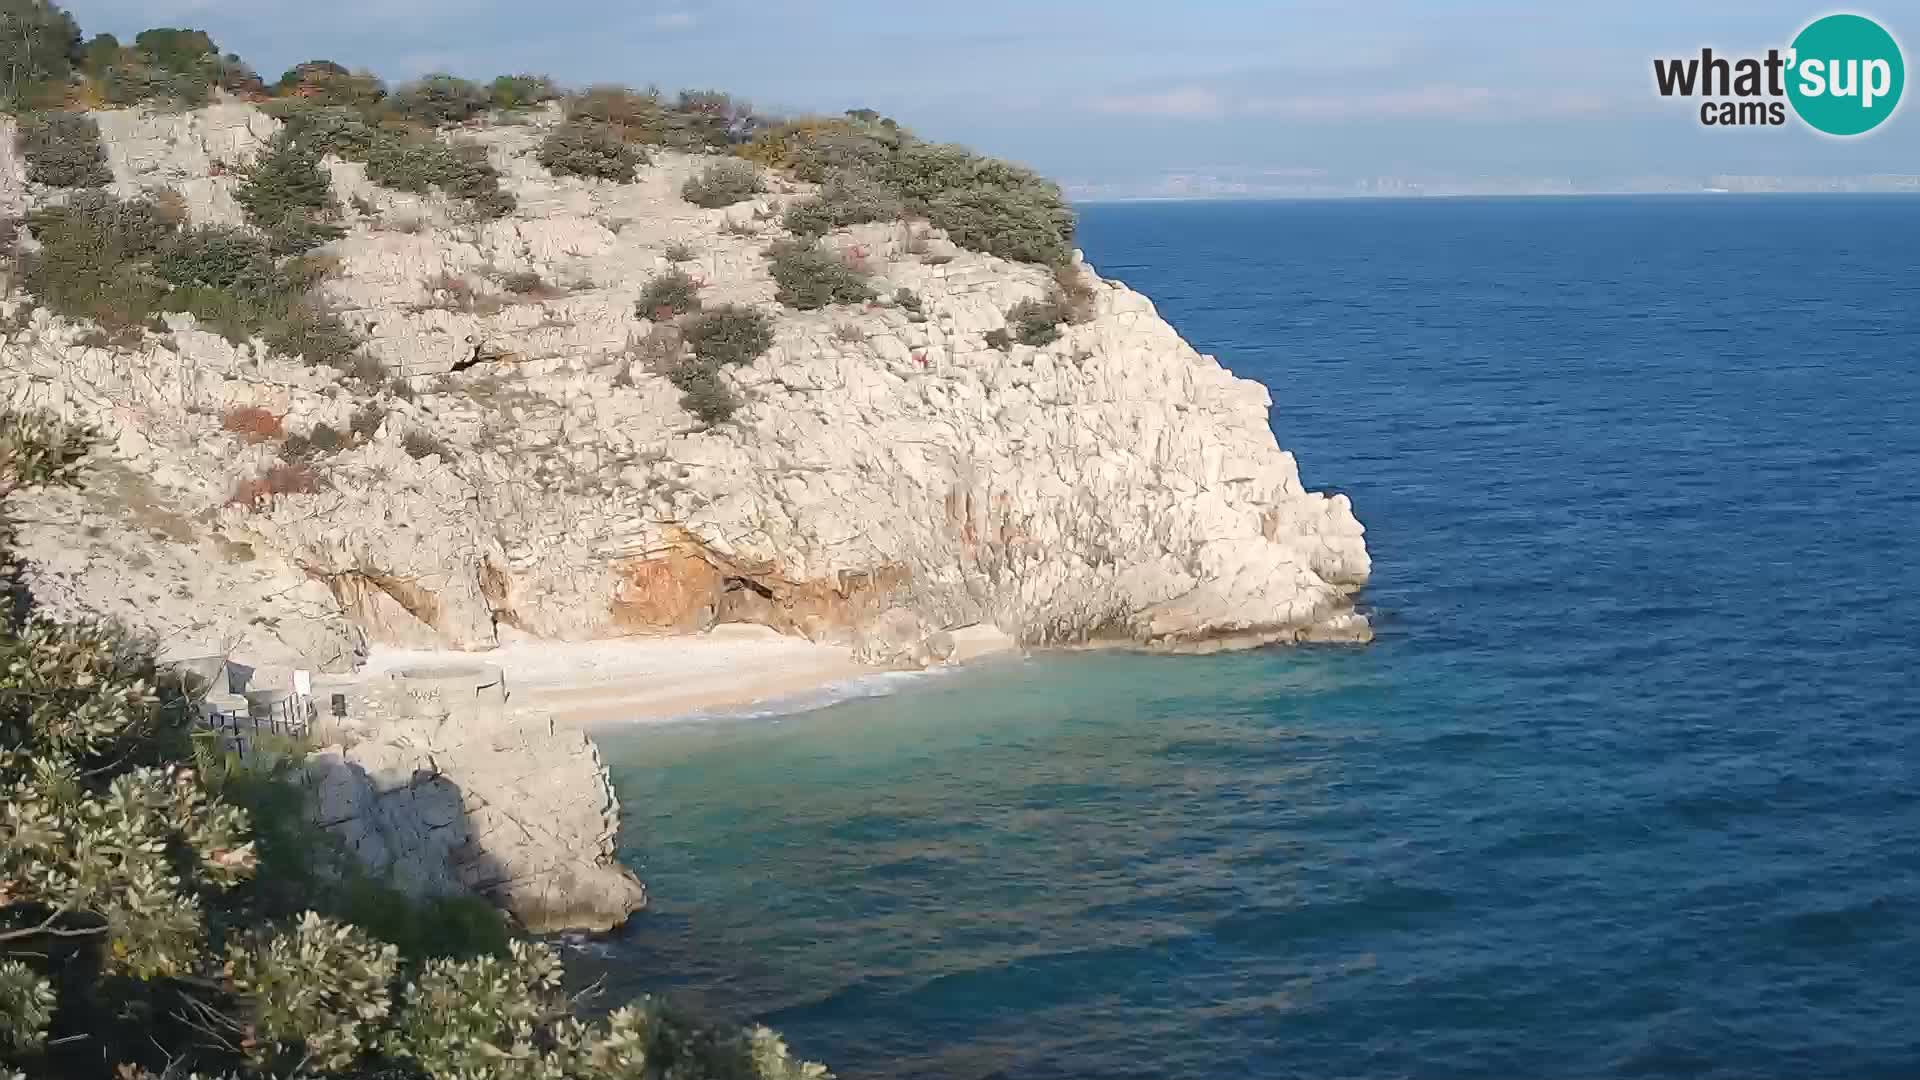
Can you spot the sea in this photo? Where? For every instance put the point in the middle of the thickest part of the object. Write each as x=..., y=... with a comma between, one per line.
x=1628, y=786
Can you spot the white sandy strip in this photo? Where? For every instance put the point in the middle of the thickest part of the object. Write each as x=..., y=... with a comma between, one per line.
x=649, y=679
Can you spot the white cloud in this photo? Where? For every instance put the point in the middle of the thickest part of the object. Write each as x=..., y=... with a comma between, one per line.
x=675, y=20
x=1188, y=101
x=1333, y=107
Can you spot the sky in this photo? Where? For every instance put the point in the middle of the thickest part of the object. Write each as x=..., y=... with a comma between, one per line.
x=1126, y=97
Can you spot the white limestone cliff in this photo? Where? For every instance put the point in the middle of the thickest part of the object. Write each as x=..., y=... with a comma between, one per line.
x=1114, y=486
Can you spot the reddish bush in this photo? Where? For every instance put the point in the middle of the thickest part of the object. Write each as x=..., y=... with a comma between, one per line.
x=283, y=479
x=252, y=423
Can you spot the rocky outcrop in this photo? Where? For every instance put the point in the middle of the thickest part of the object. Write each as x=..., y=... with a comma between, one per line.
x=890, y=476
x=438, y=788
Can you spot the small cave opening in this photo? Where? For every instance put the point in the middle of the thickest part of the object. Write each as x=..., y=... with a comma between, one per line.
x=736, y=584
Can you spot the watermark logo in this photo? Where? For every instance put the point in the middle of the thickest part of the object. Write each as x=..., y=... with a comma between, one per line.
x=1842, y=75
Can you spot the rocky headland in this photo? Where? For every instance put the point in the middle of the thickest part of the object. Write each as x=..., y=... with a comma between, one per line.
x=898, y=470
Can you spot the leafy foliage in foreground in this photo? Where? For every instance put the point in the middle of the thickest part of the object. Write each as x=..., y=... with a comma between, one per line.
x=165, y=911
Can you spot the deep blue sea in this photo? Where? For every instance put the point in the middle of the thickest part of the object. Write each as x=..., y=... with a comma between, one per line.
x=1628, y=786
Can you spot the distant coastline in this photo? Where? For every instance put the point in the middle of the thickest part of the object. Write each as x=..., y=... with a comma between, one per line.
x=1410, y=196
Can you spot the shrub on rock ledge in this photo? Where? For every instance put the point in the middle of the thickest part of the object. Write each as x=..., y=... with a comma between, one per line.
x=586, y=148
x=439, y=99
x=219, y=257
x=62, y=149
x=984, y=203
x=729, y=334
x=814, y=149
x=514, y=92
x=810, y=278
x=340, y=130
x=722, y=184
x=849, y=198
x=420, y=444
x=705, y=394
x=91, y=262
x=288, y=196
x=634, y=116
x=421, y=163
x=672, y=293
x=1034, y=322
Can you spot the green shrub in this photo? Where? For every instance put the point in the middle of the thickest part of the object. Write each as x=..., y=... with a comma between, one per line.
x=63, y=149
x=92, y=259
x=984, y=203
x=705, y=394
x=326, y=439
x=409, y=161
x=909, y=301
x=702, y=120
x=133, y=82
x=526, y=283
x=220, y=257
x=168, y=67
x=849, y=198
x=515, y=92
x=371, y=374
x=177, y=50
x=236, y=76
x=323, y=82
x=421, y=444
x=815, y=149
x=1024, y=226
x=38, y=45
x=421, y=163
x=1035, y=322
x=100, y=52
x=587, y=148
x=729, y=334
x=439, y=99
x=413, y=163
x=810, y=278
x=340, y=130
x=287, y=195
x=1000, y=339
x=671, y=293
x=318, y=443
x=306, y=329
x=680, y=253
x=722, y=184
x=366, y=420
x=171, y=910
x=634, y=116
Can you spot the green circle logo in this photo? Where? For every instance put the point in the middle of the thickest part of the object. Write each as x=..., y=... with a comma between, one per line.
x=1846, y=75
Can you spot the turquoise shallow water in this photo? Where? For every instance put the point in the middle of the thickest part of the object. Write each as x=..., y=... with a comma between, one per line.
x=1629, y=785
